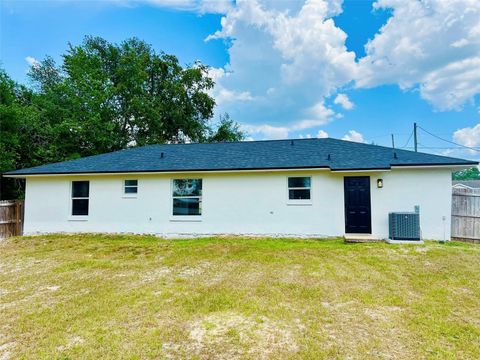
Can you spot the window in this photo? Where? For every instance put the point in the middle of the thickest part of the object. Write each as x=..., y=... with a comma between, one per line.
x=187, y=196
x=130, y=187
x=299, y=188
x=80, y=194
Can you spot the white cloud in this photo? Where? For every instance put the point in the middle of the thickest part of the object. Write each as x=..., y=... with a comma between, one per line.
x=285, y=59
x=267, y=131
x=468, y=136
x=460, y=153
x=321, y=112
x=198, y=6
x=322, y=134
x=344, y=101
x=353, y=135
x=32, y=61
x=453, y=85
x=308, y=43
x=319, y=115
x=223, y=95
x=286, y=56
x=433, y=45
x=215, y=6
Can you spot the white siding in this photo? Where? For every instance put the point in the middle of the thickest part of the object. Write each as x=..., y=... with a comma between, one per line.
x=238, y=203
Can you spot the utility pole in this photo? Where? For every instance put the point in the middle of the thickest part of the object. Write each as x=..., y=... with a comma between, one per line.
x=415, y=136
x=393, y=142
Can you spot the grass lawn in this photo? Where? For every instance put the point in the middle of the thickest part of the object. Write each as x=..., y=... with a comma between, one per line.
x=140, y=297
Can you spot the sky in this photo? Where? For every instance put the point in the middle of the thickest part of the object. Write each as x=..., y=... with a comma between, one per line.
x=353, y=69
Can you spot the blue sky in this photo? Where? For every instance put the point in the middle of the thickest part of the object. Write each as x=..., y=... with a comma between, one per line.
x=358, y=70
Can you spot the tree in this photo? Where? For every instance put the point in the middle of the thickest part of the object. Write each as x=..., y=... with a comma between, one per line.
x=227, y=130
x=469, y=174
x=105, y=97
x=112, y=96
x=22, y=140
x=8, y=123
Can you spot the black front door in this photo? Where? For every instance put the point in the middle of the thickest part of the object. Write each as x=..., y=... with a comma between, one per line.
x=357, y=205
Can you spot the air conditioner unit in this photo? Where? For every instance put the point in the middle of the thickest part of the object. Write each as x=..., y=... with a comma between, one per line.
x=404, y=226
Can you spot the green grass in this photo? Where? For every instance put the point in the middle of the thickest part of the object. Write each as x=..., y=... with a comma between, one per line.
x=140, y=297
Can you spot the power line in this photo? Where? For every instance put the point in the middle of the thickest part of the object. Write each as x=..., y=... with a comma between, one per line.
x=448, y=141
x=408, y=141
x=415, y=140
x=434, y=147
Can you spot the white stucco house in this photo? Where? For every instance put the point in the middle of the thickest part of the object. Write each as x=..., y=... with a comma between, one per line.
x=307, y=187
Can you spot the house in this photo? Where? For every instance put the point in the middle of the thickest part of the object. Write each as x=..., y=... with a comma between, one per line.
x=307, y=187
x=466, y=184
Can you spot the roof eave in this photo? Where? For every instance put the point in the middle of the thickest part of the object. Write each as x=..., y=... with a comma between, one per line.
x=149, y=172
x=454, y=166
x=306, y=168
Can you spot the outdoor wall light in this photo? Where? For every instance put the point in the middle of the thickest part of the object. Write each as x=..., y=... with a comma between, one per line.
x=379, y=183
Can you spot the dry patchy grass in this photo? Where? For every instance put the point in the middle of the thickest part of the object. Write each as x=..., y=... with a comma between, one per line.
x=140, y=297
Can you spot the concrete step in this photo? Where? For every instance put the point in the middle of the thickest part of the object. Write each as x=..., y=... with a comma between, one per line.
x=404, y=242
x=361, y=238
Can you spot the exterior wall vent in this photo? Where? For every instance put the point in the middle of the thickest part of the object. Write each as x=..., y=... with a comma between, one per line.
x=404, y=226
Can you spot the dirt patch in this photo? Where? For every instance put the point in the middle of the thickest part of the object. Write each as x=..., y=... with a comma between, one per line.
x=190, y=271
x=25, y=265
x=51, y=288
x=291, y=275
x=353, y=329
x=155, y=274
x=71, y=342
x=235, y=336
x=383, y=313
x=5, y=350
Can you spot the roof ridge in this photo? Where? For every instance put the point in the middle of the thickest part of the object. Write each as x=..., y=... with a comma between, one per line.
x=240, y=141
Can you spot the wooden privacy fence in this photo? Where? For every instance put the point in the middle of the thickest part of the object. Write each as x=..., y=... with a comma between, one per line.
x=466, y=215
x=11, y=218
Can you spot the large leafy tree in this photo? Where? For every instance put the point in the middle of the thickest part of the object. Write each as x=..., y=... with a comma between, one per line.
x=105, y=97
x=111, y=96
x=24, y=139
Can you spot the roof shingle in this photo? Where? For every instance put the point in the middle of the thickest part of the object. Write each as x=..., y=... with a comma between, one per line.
x=248, y=155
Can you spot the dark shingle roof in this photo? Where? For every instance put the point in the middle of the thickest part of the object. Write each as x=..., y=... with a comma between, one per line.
x=247, y=155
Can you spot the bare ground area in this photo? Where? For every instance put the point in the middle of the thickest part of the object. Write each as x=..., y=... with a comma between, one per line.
x=140, y=297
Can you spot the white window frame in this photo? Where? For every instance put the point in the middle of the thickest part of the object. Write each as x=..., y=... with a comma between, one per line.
x=79, y=217
x=186, y=218
x=299, y=201
x=124, y=186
